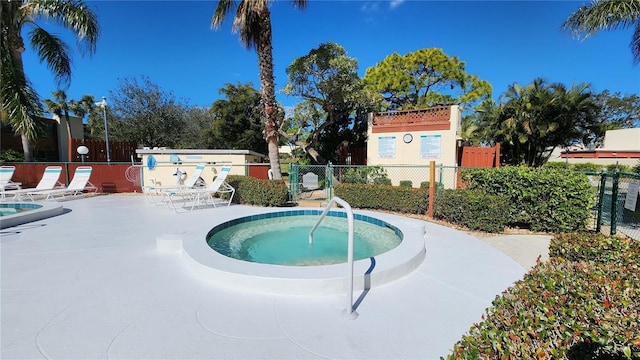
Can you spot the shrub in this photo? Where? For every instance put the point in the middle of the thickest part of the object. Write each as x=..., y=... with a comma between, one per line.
x=473, y=209
x=406, y=183
x=561, y=310
x=618, y=167
x=588, y=167
x=582, y=304
x=384, y=197
x=595, y=248
x=11, y=155
x=557, y=165
x=259, y=192
x=425, y=185
x=366, y=175
x=545, y=199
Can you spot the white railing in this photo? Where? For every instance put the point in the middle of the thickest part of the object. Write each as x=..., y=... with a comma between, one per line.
x=348, y=313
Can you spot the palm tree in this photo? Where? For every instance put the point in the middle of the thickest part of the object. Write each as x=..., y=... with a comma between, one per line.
x=19, y=102
x=61, y=107
x=607, y=15
x=253, y=23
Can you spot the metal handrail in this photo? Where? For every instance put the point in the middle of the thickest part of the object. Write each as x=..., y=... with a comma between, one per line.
x=349, y=313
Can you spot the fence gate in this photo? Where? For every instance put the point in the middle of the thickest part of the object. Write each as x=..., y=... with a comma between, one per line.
x=617, y=207
x=310, y=183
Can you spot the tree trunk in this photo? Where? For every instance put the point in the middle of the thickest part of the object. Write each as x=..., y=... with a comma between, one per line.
x=267, y=85
x=26, y=148
x=69, y=146
x=315, y=155
x=16, y=48
x=308, y=148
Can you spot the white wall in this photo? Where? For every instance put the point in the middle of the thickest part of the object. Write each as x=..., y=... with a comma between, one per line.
x=622, y=139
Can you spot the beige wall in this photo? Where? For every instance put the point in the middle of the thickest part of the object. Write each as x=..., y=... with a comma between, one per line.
x=389, y=148
x=213, y=160
x=77, y=132
x=622, y=139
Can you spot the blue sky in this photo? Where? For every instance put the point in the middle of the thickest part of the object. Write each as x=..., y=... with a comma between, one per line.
x=172, y=43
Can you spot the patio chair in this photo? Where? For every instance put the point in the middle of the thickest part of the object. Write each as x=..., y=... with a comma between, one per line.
x=49, y=181
x=194, y=181
x=200, y=195
x=6, y=173
x=78, y=185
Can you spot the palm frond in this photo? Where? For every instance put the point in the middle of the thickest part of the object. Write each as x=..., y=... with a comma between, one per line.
x=21, y=105
x=74, y=15
x=606, y=15
x=54, y=51
x=635, y=44
x=222, y=9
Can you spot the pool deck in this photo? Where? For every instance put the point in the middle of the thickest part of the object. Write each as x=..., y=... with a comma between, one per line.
x=91, y=284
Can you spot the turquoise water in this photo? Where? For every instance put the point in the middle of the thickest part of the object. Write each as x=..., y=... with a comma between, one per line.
x=9, y=211
x=12, y=209
x=285, y=240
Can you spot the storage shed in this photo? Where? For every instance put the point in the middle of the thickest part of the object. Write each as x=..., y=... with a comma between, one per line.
x=168, y=167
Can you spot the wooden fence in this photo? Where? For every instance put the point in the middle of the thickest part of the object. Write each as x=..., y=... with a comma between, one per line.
x=120, y=151
x=480, y=157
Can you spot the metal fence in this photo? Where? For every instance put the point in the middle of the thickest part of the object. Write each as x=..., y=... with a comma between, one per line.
x=617, y=209
x=316, y=182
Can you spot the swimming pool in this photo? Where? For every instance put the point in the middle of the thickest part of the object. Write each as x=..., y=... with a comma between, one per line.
x=282, y=239
x=14, y=214
x=312, y=279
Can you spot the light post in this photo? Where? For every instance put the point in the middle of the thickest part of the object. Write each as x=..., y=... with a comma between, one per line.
x=83, y=151
x=103, y=104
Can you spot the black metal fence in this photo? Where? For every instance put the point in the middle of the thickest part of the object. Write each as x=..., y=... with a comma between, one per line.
x=617, y=207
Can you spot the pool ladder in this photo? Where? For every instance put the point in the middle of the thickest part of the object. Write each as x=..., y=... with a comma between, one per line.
x=349, y=313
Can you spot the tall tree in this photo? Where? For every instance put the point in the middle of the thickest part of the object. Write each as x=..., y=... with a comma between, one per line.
x=237, y=123
x=61, y=107
x=148, y=115
x=252, y=21
x=614, y=111
x=607, y=15
x=425, y=78
x=19, y=102
x=198, y=121
x=327, y=79
x=532, y=120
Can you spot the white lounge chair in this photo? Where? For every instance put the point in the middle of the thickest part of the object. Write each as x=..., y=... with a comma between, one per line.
x=6, y=173
x=194, y=181
x=78, y=185
x=202, y=195
x=49, y=181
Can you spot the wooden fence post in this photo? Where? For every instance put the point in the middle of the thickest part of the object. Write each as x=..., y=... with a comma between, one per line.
x=432, y=187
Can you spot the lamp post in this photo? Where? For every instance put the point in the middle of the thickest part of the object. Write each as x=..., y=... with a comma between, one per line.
x=83, y=151
x=103, y=104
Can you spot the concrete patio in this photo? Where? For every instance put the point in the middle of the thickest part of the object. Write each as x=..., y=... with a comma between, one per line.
x=91, y=284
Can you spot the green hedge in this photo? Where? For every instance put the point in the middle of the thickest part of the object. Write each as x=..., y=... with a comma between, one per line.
x=473, y=209
x=584, y=309
x=595, y=248
x=259, y=192
x=544, y=199
x=384, y=197
x=590, y=167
